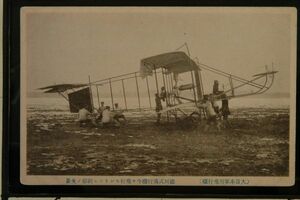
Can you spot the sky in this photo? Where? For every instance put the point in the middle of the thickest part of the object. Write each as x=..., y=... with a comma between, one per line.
x=67, y=45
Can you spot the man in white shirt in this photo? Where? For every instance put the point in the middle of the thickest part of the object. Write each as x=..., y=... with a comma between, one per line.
x=108, y=117
x=83, y=116
x=214, y=103
x=210, y=114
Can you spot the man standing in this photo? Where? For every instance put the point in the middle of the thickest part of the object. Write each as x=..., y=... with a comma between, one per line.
x=210, y=114
x=163, y=93
x=216, y=87
x=214, y=103
x=225, y=110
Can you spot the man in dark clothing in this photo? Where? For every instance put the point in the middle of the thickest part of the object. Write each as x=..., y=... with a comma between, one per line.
x=216, y=90
x=225, y=109
x=163, y=93
x=216, y=87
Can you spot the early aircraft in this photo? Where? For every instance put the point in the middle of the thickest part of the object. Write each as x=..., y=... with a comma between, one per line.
x=166, y=68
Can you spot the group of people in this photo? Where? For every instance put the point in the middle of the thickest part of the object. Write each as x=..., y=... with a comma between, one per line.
x=214, y=114
x=102, y=116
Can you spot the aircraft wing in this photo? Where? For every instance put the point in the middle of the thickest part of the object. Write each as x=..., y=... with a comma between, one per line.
x=176, y=62
x=61, y=87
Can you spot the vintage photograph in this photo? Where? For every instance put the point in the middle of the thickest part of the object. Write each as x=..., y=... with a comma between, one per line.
x=158, y=96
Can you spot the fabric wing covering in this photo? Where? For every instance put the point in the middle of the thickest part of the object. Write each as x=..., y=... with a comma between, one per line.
x=61, y=87
x=176, y=62
x=79, y=99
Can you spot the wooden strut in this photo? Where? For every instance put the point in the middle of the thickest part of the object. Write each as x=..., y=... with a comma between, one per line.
x=107, y=79
x=200, y=78
x=63, y=96
x=201, y=82
x=170, y=80
x=67, y=100
x=182, y=112
x=198, y=84
x=217, y=71
x=171, y=83
x=91, y=94
x=167, y=99
x=148, y=91
x=263, y=88
x=191, y=72
x=201, y=110
x=137, y=89
x=124, y=94
x=98, y=96
x=260, y=91
x=111, y=95
x=231, y=85
x=191, y=100
x=169, y=88
x=157, y=90
x=113, y=79
x=164, y=82
x=193, y=81
x=266, y=87
x=135, y=76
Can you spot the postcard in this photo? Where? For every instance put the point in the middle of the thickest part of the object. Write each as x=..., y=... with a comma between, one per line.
x=161, y=96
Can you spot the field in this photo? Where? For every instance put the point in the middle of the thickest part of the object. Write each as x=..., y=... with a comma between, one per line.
x=256, y=144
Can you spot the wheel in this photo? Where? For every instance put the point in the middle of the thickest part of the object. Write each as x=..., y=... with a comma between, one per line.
x=195, y=117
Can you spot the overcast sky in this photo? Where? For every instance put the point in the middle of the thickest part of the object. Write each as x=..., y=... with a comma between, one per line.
x=66, y=45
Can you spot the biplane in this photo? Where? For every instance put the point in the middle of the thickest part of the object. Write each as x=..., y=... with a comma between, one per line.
x=162, y=75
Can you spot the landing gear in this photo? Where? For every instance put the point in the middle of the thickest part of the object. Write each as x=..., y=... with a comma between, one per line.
x=195, y=117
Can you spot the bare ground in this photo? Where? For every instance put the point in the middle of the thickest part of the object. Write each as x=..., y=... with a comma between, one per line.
x=257, y=144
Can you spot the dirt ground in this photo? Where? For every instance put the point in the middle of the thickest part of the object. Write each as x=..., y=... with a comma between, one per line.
x=256, y=144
